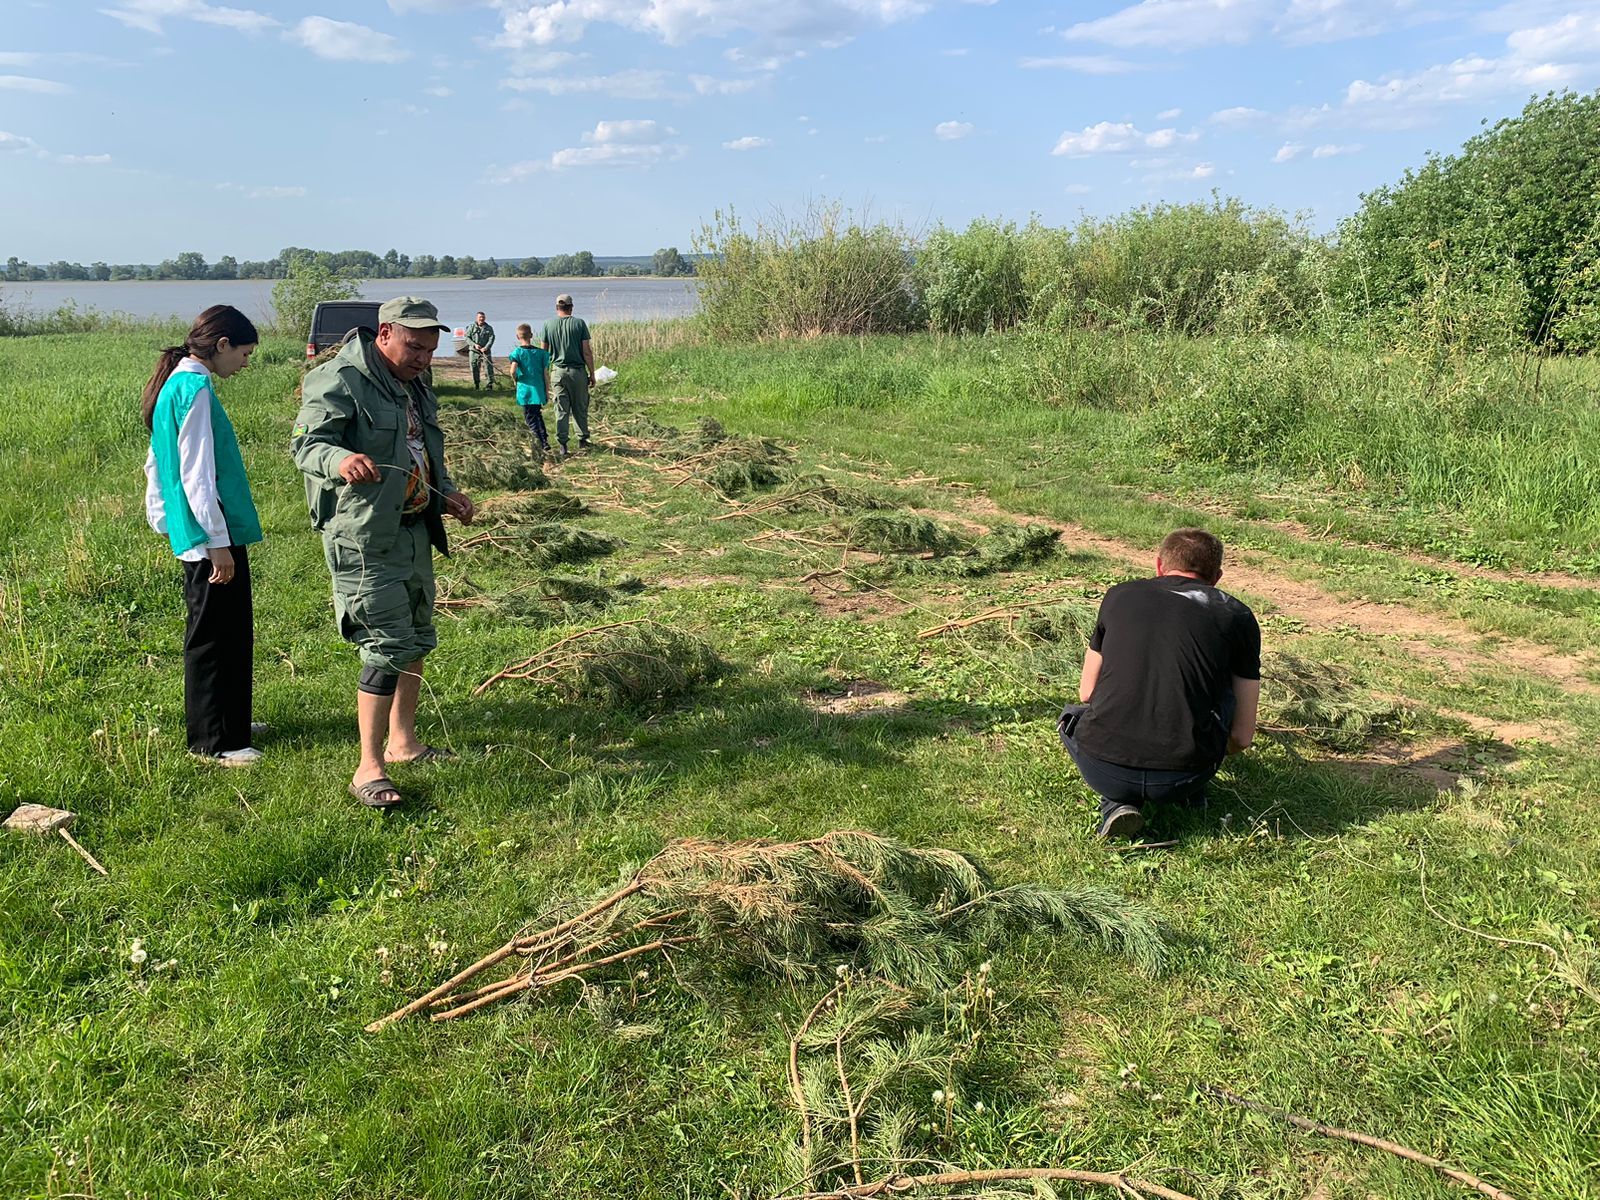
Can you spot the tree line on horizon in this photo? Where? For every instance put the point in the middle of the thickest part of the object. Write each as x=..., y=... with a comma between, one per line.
x=347, y=264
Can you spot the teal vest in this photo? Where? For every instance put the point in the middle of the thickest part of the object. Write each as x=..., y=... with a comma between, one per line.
x=233, y=490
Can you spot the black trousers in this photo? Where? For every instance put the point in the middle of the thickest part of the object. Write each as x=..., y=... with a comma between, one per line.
x=218, y=645
x=533, y=414
x=1117, y=785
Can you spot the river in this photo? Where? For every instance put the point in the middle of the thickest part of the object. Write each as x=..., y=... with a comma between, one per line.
x=504, y=301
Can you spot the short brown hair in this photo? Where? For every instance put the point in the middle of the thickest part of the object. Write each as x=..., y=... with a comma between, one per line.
x=1193, y=550
x=525, y=329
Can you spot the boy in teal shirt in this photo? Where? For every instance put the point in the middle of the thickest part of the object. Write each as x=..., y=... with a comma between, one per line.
x=530, y=367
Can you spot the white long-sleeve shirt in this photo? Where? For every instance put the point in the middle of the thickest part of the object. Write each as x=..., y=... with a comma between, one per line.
x=197, y=459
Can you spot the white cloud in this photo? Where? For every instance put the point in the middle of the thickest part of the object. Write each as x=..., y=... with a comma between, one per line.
x=1077, y=189
x=1176, y=24
x=1118, y=138
x=1086, y=64
x=345, y=41
x=818, y=22
x=1288, y=152
x=952, y=131
x=149, y=14
x=747, y=143
x=249, y=192
x=437, y=6
x=1238, y=115
x=875, y=139
x=708, y=85
x=438, y=90
x=631, y=143
x=15, y=143
x=1179, y=25
x=956, y=52
x=27, y=83
x=1331, y=150
x=635, y=83
x=1203, y=170
x=1171, y=114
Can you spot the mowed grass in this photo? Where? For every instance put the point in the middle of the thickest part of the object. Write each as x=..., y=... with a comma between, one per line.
x=1310, y=970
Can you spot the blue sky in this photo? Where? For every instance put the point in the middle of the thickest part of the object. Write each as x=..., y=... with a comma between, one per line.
x=133, y=129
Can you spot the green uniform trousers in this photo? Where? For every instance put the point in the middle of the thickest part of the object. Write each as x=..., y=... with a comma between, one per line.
x=481, y=361
x=572, y=401
x=384, y=601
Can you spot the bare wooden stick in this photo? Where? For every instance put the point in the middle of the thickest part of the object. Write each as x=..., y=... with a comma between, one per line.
x=894, y=1184
x=509, y=987
x=445, y=988
x=87, y=857
x=849, y=1105
x=1361, y=1139
x=796, y=1088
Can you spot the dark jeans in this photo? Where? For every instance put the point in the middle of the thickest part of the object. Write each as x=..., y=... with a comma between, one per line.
x=218, y=644
x=533, y=414
x=1117, y=785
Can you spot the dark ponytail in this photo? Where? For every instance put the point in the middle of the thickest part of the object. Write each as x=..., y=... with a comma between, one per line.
x=210, y=327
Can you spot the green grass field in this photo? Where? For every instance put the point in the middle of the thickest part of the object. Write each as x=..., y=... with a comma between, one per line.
x=1309, y=968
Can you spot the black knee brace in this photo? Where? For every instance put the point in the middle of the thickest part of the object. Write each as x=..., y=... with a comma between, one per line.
x=377, y=683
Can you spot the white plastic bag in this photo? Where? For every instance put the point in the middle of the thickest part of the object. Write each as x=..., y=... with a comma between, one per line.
x=604, y=376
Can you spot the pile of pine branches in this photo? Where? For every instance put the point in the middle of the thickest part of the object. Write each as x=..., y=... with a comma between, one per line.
x=792, y=910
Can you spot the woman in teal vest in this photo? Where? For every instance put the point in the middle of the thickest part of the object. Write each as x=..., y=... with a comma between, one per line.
x=197, y=495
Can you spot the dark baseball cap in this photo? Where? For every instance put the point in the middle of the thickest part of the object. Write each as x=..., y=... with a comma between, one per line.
x=411, y=311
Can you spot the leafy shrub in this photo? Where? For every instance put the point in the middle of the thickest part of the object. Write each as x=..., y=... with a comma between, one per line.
x=821, y=272
x=1167, y=267
x=305, y=285
x=972, y=281
x=1514, y=216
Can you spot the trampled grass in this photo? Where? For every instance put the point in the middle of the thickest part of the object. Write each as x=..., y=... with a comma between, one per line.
x=1309, y=968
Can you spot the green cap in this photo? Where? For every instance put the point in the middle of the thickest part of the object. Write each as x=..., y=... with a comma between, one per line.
x=411, y=311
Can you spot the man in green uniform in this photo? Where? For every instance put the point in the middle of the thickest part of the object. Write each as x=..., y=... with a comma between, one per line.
x=368, y=442
x=480, y=337
x=566, y=337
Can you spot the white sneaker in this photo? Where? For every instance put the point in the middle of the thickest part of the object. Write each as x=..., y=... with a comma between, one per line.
x=246, y=757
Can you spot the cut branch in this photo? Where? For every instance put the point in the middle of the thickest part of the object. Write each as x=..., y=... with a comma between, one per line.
x=1360, y=1139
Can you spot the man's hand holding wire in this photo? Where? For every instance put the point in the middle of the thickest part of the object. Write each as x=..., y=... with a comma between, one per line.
x=358, y=468
x=459, y=506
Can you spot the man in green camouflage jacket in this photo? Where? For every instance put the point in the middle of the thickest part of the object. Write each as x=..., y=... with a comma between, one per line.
x=480, y=339
x=368, y=442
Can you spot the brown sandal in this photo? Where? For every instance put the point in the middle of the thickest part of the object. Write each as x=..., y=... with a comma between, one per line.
x=377, y=793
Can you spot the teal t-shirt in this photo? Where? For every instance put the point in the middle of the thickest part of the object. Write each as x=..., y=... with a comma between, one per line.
x=531, y=362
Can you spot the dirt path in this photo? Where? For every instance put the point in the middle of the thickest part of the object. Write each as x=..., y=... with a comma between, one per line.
x=1550, y=579
x=1443, y=641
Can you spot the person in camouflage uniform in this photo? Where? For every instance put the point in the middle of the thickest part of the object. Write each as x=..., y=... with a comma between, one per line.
x=480, y=339
x=368, y=442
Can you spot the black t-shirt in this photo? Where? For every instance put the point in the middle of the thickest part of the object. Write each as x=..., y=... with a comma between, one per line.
x=1170, y=648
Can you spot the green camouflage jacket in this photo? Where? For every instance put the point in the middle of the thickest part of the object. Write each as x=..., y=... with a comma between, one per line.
x=352, y=404
x=481, y=337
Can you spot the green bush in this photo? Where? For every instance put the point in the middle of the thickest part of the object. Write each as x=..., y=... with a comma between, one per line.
x=305, y=285
x=972, y=281
x=821, y=272
x=1514, y=215
x=1174, y=267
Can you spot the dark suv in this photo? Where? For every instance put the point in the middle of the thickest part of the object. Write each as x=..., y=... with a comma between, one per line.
x=337, y=319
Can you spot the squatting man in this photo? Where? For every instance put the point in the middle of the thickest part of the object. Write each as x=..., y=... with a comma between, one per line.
x=1170, y=686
